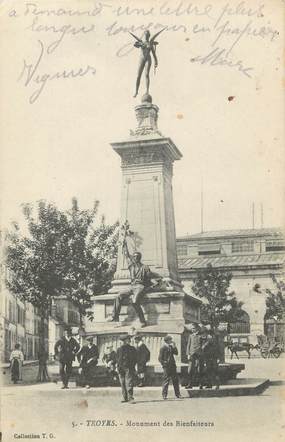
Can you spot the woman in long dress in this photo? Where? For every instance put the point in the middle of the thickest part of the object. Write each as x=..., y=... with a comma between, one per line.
x=148, y=48
x=16, y=363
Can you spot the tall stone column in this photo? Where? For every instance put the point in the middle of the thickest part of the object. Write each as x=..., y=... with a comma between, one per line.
x=147, y=159
x=146, y=200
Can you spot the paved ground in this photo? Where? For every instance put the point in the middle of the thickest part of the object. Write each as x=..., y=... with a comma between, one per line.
x=78, y=415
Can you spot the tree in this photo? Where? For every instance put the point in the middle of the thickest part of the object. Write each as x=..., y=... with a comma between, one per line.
x=63, y=253
x=36, y=262
x=219, y=304
x=275, y=301
x=92, y=252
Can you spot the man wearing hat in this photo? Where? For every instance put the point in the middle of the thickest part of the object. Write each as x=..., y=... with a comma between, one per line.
x=65, y=350
x=167, y=360
x=126, y=361
x=193, y=353
x=143, y=356
x=88, y=358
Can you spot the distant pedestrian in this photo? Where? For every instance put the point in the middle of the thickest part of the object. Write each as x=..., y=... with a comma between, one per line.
x=88, y=357
x=65, y=350
x=193, y=353
x=110, y=361
x=43, y=371
x=167, y=360
x=126, y=361
x=143, y=356
x=16, y=364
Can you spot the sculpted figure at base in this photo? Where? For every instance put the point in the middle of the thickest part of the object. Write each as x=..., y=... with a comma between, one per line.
x=142, y=281
x=148, y=49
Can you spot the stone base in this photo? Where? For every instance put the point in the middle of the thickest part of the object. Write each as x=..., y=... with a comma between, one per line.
x=237, y=387
x=227, y=374
x=165, y=313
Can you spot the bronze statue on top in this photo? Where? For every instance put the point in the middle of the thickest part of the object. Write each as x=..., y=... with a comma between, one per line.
x=148, y=48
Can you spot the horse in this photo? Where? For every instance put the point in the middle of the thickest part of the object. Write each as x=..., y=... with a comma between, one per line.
x=236, y=347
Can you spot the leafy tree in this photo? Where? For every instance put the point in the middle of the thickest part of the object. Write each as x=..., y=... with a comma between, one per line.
x=219, y=304
x=275, y=301
x=63, y=253
x=36, y=262
x=92, y=253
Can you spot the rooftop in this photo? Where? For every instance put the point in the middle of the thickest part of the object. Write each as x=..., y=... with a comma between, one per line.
x=272, y=231
x=264, y=259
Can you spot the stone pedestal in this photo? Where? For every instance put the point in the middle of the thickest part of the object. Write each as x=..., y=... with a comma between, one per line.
x=146, y=199
x=147, y=204
x=165, y=312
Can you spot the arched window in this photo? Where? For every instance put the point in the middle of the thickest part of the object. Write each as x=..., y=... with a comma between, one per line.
x=242, y=326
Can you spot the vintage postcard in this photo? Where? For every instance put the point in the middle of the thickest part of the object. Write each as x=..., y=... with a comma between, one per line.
x=142, y=220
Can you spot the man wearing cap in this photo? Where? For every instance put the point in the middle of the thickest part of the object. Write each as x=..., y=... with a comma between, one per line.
x=65, y=350
x=88, y=358
x=141, y=282
x=167, y=360
x=126, y=361
x=143, y=356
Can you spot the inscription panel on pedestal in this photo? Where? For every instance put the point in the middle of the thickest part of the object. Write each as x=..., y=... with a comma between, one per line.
x=143, y=211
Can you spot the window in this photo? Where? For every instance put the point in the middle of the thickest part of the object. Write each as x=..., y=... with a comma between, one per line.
x=209, y=249
x=275, y=246
x=73, y=317
x=182, y=250
x=242, y=326
x=209, y=252
x=11, y=312
x=20, y=316
x=243, y=246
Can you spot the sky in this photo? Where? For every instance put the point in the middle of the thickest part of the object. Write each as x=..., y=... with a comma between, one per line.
x=224, y=110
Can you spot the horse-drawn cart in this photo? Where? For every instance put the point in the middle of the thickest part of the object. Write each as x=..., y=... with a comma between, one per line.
x=269, y=348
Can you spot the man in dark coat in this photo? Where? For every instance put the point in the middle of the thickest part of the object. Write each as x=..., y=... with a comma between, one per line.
x=166, y=358
x=88, y=358
x=65, y=350
x=126, y=361
x=193, y=353
x=209, y=359
x=143, y=356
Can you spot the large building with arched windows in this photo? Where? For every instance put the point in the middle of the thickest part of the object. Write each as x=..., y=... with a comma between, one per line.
x=252, y=256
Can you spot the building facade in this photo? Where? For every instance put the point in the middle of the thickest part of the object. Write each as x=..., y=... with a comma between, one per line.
x=20, y=323
x=250, y=255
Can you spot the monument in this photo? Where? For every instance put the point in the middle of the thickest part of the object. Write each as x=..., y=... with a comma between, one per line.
x=147, y=297
x=148, y=228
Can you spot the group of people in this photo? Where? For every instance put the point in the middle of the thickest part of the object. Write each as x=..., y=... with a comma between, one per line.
x=129, y=362
x=67, y=349
x=203, y=354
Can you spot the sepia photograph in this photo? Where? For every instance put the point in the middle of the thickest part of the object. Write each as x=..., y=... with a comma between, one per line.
x=142, y=225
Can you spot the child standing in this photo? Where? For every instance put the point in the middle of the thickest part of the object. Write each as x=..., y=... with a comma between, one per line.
x=110, y=360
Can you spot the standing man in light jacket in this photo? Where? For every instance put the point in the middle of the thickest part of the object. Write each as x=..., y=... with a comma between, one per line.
x=193, y=353
x=167, y=360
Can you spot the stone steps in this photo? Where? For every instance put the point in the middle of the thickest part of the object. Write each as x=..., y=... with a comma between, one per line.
x=236, y=387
